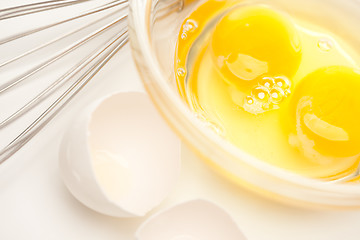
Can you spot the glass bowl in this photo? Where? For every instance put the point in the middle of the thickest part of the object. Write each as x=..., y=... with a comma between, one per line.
x=153, y=28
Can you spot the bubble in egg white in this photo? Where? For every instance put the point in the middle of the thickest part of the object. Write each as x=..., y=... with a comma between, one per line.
x=276, y=95
x=325, y=44
x=260, y=93
x=267, y=82
x=181, y=72
x=190, y=25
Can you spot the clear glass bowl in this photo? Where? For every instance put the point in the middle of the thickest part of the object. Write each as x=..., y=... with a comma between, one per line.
x=153, y=28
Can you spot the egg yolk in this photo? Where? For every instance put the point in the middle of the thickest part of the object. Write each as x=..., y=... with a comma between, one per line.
x=256, y=50
x=325, y=113
x=249, y=42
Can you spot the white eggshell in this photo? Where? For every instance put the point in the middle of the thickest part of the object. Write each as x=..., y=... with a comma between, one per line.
x=119, y=157
x=193, y=220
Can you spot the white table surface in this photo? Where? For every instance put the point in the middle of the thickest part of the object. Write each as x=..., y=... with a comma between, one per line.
x=35, y=204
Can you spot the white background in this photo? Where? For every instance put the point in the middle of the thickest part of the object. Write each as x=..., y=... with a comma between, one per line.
x=35, y=204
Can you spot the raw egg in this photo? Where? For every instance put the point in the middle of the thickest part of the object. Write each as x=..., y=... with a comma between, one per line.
x=325, y=112
x=278, y=84
x=249, y=42
x=256, y=50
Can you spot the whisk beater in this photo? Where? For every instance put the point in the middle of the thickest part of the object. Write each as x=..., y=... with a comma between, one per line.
x=100, y=29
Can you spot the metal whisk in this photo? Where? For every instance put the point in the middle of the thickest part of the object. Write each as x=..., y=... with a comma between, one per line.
x=100, y=29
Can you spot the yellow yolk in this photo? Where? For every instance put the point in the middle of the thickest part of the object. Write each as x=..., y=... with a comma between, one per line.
x=325, y=110
x=256, y=50
x=279, y=87
x=249, y=42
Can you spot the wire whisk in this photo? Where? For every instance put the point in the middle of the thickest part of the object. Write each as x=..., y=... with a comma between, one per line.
x=100, y=30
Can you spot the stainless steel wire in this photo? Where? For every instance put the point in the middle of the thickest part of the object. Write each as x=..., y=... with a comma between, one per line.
x=39, y=67
x=25, y=9
x=112, y=33
x=38, y=29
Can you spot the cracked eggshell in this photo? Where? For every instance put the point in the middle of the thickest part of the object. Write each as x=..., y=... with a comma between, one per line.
x=119, y=157
x=193, y=220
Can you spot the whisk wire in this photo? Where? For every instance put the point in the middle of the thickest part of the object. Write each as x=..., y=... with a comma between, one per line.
x=27, y=9
x=64, y=98
x=58, y=56
x=7, y=62
x=38, y=29
x=38, y=98
x=76, y=77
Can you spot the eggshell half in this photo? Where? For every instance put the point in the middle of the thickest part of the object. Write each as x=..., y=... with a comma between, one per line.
x=193, y=220
x=119, y=157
